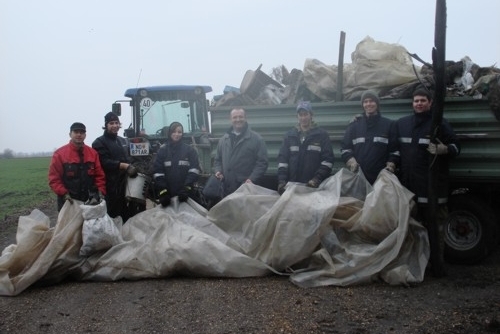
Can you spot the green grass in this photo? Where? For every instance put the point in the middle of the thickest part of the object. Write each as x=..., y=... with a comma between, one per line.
x=23, y=184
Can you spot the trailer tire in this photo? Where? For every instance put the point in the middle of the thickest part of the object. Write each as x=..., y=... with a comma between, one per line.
x=470, y=231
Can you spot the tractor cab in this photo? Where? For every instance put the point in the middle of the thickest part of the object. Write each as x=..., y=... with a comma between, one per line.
x=155, y=108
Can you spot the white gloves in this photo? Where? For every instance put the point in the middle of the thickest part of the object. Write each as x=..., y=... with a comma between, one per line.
x=352, y=164
x=437, y=149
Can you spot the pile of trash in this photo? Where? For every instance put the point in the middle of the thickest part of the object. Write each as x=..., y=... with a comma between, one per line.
x=385, y=68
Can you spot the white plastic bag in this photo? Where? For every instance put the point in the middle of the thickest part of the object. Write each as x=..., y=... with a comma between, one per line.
x=378, y=66
x=99, y=231
x=467, y=79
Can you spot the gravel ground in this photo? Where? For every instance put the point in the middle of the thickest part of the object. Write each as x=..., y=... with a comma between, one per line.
x=467, y=300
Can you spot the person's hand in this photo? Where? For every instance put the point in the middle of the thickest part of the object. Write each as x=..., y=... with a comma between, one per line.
x=92, y=201
x=352, y=164
x=184, y=193
x=164, y=198
x=313, y=183
x=390, y=166
x=437, y=149
x=95, y=198
x=281, y=188
x=219, y=175
x=131, y=171
x=248, y=181
x=68, y=198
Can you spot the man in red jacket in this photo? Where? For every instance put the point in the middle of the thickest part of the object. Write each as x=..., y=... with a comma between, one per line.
x=75, y=171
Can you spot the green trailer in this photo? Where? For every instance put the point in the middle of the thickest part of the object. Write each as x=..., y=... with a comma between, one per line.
x=471, y=230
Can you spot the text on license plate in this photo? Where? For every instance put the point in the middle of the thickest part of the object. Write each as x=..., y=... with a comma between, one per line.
x=137, y=149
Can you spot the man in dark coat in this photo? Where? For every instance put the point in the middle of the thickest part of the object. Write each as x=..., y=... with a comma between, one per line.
x=241, y=154
x=370, y=140
x=114, y=159
x=306, y=154
x=417, y=153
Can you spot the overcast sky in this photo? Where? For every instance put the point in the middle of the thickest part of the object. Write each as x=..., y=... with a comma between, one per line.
x=66, y=61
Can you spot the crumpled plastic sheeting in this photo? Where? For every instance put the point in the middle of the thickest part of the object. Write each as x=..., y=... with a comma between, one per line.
x=42, y=251
x=329, y=235
x=279, y=231
x=162, y=242
x=380, y=240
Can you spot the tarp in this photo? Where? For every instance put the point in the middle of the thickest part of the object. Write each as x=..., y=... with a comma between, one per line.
x=345, y=232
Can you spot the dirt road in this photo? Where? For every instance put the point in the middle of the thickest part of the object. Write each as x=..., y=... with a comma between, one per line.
x=467, y=300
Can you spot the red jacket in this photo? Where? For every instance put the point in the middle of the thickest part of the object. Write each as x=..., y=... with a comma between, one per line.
x=70, y=173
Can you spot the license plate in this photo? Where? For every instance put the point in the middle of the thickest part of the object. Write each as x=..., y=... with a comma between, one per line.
x=139, y=149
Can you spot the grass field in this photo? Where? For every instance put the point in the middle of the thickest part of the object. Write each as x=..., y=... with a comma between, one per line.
x=23, y=184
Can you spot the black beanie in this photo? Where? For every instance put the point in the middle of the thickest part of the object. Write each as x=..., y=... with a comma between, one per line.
x=110, y=116
x=370, y=94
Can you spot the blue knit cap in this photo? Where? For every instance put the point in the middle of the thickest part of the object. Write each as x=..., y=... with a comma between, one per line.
x=304, y=105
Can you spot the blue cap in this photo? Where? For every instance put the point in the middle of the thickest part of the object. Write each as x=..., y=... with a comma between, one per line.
x=304, y=105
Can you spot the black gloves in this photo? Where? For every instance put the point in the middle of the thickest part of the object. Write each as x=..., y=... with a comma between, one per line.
x=164, y=198
x=184, y=193
x=313, y=183
x=281, y=188
x=437, y=149
x=68, y=198
x=95, y=198
x=131, y=171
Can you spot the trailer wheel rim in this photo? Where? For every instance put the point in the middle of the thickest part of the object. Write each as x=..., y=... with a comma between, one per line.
x=462, y=230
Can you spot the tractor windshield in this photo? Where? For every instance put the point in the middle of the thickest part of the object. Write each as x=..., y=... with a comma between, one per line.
x=158, y=110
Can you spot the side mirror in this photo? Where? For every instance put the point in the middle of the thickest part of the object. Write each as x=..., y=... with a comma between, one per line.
x=116, y=108
x=129, y=133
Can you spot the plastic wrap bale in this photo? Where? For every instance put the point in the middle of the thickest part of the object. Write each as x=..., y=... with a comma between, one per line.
x=321, y=79
x=378, y=66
